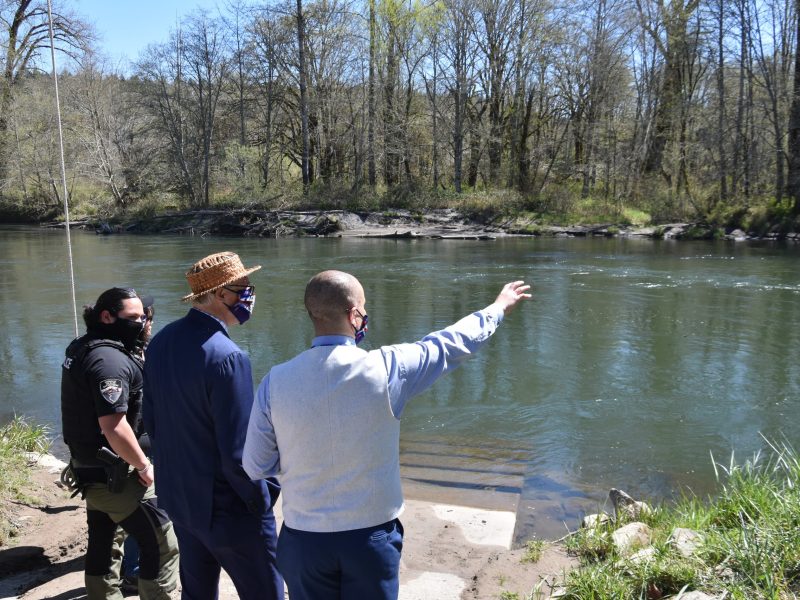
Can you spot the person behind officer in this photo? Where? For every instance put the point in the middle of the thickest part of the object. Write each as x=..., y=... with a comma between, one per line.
x=130, y=553
x=198, y=396
x=328, y=424
x=101, y=403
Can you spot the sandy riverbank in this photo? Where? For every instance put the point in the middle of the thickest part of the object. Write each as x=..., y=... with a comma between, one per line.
x=451, y=552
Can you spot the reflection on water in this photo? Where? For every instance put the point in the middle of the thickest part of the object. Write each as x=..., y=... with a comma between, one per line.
x=634, y=361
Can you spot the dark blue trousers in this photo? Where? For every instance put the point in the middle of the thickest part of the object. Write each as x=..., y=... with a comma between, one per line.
x=361, y=564
x=244, y=545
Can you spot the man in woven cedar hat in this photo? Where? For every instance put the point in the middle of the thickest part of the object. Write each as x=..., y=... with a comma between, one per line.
x=198, y=396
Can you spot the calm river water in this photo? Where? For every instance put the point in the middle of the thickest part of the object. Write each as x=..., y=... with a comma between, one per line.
x=633, y=364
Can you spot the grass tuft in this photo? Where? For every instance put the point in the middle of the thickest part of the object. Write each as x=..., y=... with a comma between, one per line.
x=533, y=551
x=16, y=438
x=750, y=533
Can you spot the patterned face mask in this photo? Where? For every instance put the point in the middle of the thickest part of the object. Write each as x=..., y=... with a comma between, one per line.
x=361, y=332
x=244, y=306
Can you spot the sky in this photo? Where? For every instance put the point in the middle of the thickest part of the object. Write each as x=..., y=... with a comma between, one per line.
x=126, y=27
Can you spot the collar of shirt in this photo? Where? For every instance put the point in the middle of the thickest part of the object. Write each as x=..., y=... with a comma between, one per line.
x=210, y=316
x=333, y=340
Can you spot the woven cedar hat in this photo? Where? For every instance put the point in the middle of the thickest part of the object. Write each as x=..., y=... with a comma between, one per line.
x=215, y=271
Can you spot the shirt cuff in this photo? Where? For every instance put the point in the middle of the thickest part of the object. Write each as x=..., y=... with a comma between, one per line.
x=495, y=311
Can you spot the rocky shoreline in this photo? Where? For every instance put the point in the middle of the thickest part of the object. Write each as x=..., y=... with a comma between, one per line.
x=399, y=224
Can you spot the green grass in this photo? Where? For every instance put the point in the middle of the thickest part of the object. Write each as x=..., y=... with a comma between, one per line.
x=750, y=549
x=533, y=551
x=18, y=436
x=634, y=216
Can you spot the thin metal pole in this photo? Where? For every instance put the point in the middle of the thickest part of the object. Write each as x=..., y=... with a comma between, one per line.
x=63, y=167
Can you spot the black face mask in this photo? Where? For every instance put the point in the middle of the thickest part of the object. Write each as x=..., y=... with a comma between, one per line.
x=125, y=331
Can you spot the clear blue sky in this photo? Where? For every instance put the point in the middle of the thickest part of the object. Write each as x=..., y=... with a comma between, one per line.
x=125, y=27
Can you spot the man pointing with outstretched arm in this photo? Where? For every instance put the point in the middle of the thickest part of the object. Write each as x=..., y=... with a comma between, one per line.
x=327, y=423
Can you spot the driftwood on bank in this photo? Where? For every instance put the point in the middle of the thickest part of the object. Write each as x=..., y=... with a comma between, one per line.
x=443, y=224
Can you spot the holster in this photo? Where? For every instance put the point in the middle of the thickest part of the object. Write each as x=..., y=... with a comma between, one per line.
x=117, y=476
x=115, y=468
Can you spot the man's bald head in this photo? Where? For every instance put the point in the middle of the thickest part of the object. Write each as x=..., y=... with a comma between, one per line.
x=330, y=294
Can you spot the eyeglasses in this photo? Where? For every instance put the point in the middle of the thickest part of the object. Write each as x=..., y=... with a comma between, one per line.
x=249, y=289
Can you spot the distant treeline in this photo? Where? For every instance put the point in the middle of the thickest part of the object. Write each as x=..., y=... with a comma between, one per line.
x=681, y=108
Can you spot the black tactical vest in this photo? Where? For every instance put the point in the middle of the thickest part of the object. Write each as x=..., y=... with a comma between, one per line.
x=79, y=418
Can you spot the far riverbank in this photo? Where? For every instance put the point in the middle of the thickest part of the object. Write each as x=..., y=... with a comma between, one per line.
x=400, y=223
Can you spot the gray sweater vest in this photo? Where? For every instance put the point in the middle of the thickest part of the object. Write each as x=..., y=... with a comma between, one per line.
x=337, y=439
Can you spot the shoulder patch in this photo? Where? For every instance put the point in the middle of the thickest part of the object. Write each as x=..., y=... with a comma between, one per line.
x=111, y=390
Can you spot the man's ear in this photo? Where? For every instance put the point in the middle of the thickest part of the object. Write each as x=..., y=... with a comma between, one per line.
x=106, y=317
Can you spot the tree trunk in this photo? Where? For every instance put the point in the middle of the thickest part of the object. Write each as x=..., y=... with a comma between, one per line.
x=518, y=102
x=780, y=178
x=434, y=111
x=5, y=109
x=794, y=122
x=371, y=175
x=739, y=145
x=588, y=163
x=458, y=138
x=268, y=124
x=496, y=45
x=721, y=116
x=668, y=103
x=406, y=127
x=675, y=53
x=523, y=162
x=475, y=150
x=301, y=58
x=390, y=143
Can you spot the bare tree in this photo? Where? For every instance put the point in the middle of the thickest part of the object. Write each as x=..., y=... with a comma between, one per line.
x=721, y=99
x=459, y=75
x=742, y=163
x=237, y=14
x=668, y=25
x=495, y=38
x=35, y=147
x=794, y=119
x=433, y=23
x=24, y=33
x=371, y=170
x=98, y=99
x=161, y=91
x=271, y=42
x=301, y=62
x=772, y=51
x=208, y=63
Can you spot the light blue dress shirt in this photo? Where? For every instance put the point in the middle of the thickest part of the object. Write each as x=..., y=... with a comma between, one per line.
x=411, y=369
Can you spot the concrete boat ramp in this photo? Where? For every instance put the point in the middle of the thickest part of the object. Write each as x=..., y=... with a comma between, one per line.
x=458, y=537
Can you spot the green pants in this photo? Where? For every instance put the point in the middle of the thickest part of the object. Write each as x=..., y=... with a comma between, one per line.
x=135, y=510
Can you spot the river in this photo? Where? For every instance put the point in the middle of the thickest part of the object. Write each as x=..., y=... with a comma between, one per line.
x=634, y=363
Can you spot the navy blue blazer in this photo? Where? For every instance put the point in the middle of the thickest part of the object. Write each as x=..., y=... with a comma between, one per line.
x=198, y=393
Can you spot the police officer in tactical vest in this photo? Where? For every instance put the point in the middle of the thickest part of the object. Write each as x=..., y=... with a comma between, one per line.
x=101, y=403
